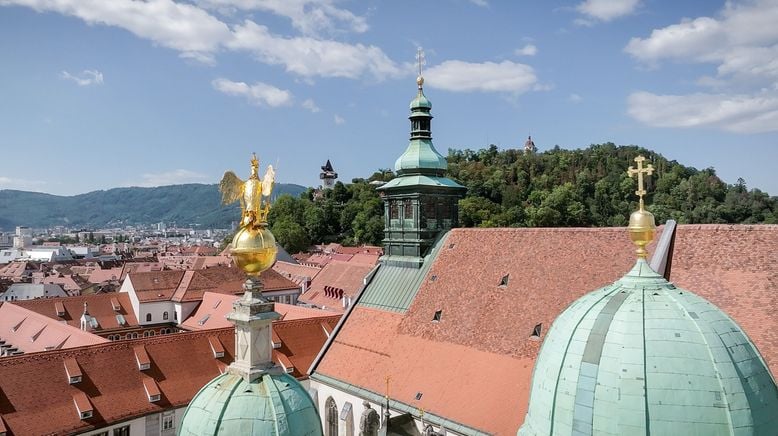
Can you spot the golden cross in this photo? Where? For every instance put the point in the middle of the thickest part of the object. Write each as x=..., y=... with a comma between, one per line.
x=420, y=59
x=648, y=170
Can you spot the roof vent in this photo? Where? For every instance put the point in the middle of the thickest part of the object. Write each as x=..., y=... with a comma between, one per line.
x=437, y=316
x=115, y=305
x=450, y=246
x=433, y=278
x=72, y=371
x=504, y=280
x=535, y=336
x=218, y=302
x=83, y=406
x=276, y=340
x=418, y=396
x=204, y=319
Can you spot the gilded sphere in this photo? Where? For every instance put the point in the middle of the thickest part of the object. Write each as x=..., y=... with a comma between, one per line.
x=254, y=249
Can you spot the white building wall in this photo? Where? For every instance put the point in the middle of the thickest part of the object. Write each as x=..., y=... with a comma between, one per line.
x=184, y=310
x=323, y=392
x=156, y=309
x=138, y=425
x=130, y=290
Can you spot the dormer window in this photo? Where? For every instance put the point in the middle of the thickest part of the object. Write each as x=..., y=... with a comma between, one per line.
x=142, y=358
x=83, y=406
x=152, y=390
x=72, y=371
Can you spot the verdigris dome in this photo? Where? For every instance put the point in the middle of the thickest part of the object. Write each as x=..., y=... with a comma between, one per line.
x=419, y=156
x=271, y=405
x=643, y=357
x=420, y=101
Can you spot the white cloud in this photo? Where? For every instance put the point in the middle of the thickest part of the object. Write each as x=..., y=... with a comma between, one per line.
x=575, y=98
x=179, y=26
x=259, y=93
x=339, y=120
x=481, y=3
x=606, y=10
x=86, y=78
x=742, y=43
x=311, y=105
x=199, y=36
x=735, y=113
x=460, y=76
x=172, y=177
x=308, y=56
x=21, y=184
x=527, y=50
x=308, y=16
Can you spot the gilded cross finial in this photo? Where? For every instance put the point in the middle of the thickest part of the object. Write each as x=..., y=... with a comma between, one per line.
x=640, y=171
x=641, y=222
x=421, y=61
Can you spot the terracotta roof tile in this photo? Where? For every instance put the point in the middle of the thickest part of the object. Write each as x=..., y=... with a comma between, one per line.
x=482, y=338
x=31, y=332
x=36, y=398
x=100, y=306
x=336, y=276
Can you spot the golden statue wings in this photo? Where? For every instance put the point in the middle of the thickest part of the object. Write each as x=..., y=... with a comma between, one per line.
x=254, y=195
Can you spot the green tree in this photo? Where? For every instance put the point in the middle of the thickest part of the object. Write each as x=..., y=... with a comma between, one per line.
x=290, y=235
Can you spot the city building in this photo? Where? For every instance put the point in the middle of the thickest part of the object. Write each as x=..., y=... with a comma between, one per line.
x=445, y=333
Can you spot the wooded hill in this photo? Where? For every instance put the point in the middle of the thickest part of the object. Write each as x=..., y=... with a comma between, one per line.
x=186, y=205
x=511, y=188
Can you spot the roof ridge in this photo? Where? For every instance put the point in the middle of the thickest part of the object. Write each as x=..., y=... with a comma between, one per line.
x=111, y=345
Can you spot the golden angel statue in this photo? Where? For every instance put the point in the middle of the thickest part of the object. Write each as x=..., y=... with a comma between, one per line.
x=254, y=194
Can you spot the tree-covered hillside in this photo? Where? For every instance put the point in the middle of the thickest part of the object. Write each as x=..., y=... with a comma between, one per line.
x=585, y=187
x=192, y=204
x=590, y=187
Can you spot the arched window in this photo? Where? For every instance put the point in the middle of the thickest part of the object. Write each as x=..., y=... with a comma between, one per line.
x=148, y=317
x=164, y=316
x=331, y=425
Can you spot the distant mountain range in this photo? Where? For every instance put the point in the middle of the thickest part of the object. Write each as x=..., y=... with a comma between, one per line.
x=186, y=205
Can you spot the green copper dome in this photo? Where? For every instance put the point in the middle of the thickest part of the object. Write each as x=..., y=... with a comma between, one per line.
x=643, y=357
x=271, y=405
x=420, y=102
x=420, y=155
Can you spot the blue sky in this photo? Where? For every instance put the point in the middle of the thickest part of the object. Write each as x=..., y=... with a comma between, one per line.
x=98, y=94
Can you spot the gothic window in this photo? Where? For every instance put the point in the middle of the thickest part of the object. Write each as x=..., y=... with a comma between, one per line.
x=408, y=206
x=394, y=210
x=331, y=425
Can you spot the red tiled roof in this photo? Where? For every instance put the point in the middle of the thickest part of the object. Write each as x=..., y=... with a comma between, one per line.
x=36, y=398
x=345, y=276
x=100, y=306
x=216, y=307
x=104, y=275
x=481, y=343
x=31, y=332
x=301, y=340
x=295, y=271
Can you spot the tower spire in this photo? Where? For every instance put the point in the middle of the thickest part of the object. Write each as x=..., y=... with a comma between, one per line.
x=420, y=61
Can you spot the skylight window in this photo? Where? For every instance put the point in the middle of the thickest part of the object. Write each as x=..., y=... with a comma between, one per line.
x=504, y=280
x=418, y=396
x=437, y=316
x=204, y=319
x=535, y=336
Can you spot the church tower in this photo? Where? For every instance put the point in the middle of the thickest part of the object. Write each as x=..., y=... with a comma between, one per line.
x=421, y=202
